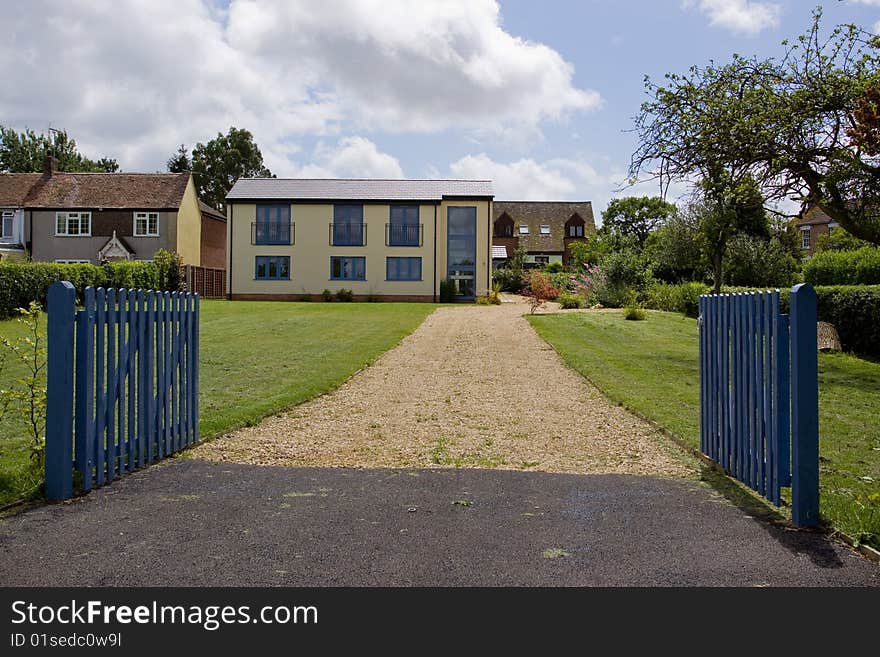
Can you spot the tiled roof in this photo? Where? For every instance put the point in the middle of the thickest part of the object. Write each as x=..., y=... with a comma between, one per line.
x=14, y=187
x=211, y=212
x=814, y=216
x=550, y=213
x=356, y=190
x=94, y=190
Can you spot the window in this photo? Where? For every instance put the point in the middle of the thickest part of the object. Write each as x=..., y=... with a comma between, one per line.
x=146, y=224
x=545, y=229
x=575, y=230
x=805, y=237
x=6, y=228
x=503, y=229
x=73, y=224
x=71, y=261
x=523, y=229
x=348, y=269
x=272, y=225
x=348, y=225
x=542, y=260
x=403, y=269
x=403, y=229
x=272, y=268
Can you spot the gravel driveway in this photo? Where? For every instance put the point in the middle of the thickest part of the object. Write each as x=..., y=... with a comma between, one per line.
x=473, y=386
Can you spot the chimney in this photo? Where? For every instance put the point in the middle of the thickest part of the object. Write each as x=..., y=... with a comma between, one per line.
x=50, y=165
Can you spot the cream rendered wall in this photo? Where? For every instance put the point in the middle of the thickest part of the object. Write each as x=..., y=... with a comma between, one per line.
x=484, y=241
x=310, y=255
x=187, y=230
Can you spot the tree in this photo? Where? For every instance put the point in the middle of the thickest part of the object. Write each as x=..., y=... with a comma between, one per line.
x=25, y=152
x=180, y=161
x=637, y=216
x=674, y=250
x=223, y=160
x=729, y=207
x=786, y=122
x=756, y=262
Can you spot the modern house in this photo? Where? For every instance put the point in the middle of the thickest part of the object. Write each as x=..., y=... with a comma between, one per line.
x=545, y=228
x=99, y=217
x=811, y=225
x=389, y=239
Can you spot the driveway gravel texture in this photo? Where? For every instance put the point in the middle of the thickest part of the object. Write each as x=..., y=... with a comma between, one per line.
x=469, y=455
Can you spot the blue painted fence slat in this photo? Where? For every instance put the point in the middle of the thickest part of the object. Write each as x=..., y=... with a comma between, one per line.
x=122, y=383
x=758, y=393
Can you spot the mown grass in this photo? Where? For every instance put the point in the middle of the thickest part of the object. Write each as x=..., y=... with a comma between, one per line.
x=256, y=359
x=652, y=367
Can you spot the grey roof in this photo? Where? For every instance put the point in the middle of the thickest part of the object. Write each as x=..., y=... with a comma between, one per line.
x=356, y=190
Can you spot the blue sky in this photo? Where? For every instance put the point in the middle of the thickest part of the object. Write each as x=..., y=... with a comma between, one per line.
x=537, y=96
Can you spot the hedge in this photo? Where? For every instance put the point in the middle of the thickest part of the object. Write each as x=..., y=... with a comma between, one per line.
x=854, y=310
x=21, y=283
x=861, y=267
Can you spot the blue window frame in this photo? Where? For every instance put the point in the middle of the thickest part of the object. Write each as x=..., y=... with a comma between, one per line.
x=348, y=225
x=272, y=225
x=346, y=268
x=403, y=269
x=272, y=268
x=403, y=227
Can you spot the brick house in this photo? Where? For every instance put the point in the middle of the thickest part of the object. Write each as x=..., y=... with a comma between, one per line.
x=811, y=225
x=546, y=229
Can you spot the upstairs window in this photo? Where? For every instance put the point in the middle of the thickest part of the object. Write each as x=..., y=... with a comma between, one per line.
x=73, y=224
x=805, y=237
x=272, y=225
x=146, y=224
x=545, y=229
x=575, y=230
x=523, y=229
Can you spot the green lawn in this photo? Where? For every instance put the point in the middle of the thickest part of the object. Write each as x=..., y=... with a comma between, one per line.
x=652, y=368
x=256, y=358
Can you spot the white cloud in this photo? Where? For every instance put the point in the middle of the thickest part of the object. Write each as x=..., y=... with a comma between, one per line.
x=747, y=17
x=134, y=79
x=351, y=157
x=870, y=3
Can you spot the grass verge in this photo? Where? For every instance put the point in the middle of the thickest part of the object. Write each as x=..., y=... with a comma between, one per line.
x=652, y=367
x=256, y=359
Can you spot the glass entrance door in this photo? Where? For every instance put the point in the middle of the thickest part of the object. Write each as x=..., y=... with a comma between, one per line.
x=461, y=251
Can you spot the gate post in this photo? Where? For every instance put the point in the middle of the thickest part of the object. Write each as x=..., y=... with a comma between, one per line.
x=59, y=391
x=804, y=407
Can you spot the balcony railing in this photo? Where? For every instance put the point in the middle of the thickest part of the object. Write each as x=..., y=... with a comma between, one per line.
x=272, y=232
x=348, y=234
x=403, y=234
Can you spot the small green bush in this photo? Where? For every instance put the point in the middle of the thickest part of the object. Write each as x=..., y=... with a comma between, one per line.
x=615, y=295
x=682, y=298
x=344, y=295
x=510, y=280
x=327, y=295
x=855, y=313
x=568, y=300
x=634, y=313
x=447, y=291
x=553, y=268
x=860, y=267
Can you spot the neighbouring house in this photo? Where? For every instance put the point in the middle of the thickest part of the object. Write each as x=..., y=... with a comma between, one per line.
x=101, y=217
x=812, y=224
x=213, y=237
x=546, y=229
x=389, y=239
x=13, y=190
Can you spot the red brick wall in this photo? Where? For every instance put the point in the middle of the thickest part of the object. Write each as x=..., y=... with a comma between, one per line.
x=213, y=243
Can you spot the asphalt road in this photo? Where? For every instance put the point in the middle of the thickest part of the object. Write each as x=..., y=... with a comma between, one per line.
x=196, y=523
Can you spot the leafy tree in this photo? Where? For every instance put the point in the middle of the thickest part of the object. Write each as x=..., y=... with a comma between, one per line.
x=804, y=125
x=637, y=216
x=219, y=163
x=756, y=262
x=839, y=240
x=180, y=161
x=674, y=250
x=590, y=250
x=24, y=153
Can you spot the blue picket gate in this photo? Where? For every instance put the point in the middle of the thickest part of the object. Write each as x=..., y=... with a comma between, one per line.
x=759, y=393
x=123, y=383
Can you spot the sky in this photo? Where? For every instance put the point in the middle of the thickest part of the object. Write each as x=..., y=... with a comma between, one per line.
x=537, y=95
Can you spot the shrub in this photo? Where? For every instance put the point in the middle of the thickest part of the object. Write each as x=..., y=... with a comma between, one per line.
x=447, y=291
x=682, y=298
x=755, y=261
x=344, y=295
x=24, y=282
x=568, y=300
x=855, y=313
x=861, y=267
x=169, y=268
x=554, y=268
x=624, y=268
x=634, y=313
x=510, y=280
x=327, y=295
x=539, y=290
x=562, y=281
